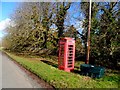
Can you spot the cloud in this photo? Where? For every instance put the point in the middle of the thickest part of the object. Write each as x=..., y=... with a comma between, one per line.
x=5, y=23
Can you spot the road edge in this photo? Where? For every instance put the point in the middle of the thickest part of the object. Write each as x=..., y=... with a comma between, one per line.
x=31, y=74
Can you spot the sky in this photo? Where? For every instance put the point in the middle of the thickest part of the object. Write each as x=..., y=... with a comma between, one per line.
x=6, y=10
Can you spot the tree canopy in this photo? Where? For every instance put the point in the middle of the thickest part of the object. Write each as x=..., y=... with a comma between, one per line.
x=39, y=26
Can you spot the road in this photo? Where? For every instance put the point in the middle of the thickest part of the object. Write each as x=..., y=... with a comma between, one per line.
x=13, y=76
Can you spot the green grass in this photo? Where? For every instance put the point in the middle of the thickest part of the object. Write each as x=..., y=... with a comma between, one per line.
x=61, y=79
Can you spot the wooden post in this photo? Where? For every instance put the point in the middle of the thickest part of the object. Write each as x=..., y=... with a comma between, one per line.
x=88, y=37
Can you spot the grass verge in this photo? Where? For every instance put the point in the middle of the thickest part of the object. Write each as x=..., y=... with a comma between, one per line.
x=61, y=79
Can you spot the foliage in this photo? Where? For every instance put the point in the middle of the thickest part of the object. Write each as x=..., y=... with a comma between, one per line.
x=39, y=25
x=104, y=32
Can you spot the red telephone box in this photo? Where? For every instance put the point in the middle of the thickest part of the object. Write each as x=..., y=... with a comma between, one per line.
x=66, y=54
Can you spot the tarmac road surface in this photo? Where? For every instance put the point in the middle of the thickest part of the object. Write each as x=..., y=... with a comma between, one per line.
x=13, y=76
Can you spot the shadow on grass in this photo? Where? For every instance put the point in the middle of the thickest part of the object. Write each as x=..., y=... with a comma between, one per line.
x=77, y=71
x=50, y=63
x=113, y=71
